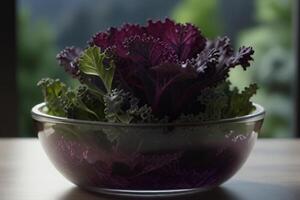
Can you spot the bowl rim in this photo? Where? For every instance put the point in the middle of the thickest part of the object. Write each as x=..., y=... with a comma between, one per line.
x=40, y=116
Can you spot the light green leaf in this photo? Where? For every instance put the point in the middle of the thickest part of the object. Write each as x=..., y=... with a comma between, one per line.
x=240, y=103
x=92, y=63
x=54, y=95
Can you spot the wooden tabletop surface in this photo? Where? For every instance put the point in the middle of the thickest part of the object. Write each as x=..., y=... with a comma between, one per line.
x=271, y=173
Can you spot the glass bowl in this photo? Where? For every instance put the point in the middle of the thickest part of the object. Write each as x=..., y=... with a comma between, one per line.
x=142, y=159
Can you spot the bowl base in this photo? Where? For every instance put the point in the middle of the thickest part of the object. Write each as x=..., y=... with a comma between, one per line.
x=146, y=193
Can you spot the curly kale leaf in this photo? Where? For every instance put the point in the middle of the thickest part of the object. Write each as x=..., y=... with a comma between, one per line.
x=214, y=102
x=66, y=102
x=54, y=92
x=85, y=105
x=67, y=58
x=121, y=106
x=239, y=102
x=221, y=102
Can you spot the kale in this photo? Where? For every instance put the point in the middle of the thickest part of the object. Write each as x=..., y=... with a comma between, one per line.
x=66, y=102
x=121, y=106
x=163, y=71
x=55, y=96
x=221, y=102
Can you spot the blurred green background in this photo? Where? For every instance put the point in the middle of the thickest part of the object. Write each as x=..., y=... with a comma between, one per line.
x=44, y=27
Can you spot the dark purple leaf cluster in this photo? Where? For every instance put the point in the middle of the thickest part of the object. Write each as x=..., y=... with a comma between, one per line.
x=166, y=65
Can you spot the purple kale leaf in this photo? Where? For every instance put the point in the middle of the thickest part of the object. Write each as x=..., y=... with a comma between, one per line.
x=68, y=59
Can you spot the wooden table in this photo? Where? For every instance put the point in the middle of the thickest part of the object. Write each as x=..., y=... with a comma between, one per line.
x=271, y=173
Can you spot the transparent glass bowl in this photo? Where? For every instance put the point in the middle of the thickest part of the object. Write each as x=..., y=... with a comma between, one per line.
x=131, y=159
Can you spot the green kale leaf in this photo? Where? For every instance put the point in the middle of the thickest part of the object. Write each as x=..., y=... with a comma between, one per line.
x=239, y=102
x=121, y=106
x=97, y=63
x=54, y=92
x=66, y=102
x=85, y=105
x=222, y=102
